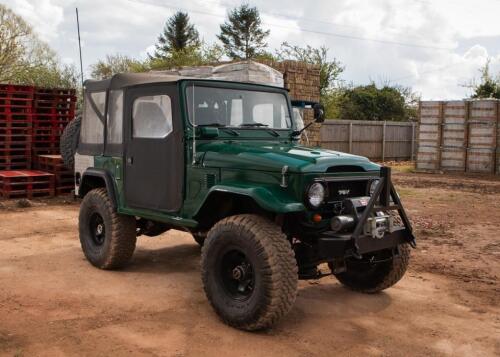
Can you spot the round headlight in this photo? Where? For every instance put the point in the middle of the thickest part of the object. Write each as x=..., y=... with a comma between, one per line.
x=372, y=186
x=316, y=194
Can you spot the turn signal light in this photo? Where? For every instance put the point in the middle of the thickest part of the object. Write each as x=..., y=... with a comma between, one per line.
x=317, y=218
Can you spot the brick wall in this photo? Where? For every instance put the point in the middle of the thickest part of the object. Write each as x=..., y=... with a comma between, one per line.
x=302, y=80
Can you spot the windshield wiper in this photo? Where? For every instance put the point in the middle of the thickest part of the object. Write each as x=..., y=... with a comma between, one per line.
x=254, y=124
x=269, y=130
x=222, y=127
x=218, y=125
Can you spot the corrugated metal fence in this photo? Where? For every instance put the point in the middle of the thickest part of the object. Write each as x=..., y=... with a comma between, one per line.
x=377, y=140
x=459, y=136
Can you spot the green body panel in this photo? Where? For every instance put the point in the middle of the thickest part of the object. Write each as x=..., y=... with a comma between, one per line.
x=248, y=164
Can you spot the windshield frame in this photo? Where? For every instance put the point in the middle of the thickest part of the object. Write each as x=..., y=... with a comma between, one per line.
x=185, y=84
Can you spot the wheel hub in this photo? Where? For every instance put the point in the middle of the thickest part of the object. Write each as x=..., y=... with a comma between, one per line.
x=237, y=275
x=97, y=228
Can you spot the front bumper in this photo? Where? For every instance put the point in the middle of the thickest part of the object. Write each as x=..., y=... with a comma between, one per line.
x=332, y=245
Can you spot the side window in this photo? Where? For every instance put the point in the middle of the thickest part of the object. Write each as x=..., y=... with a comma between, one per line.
x=115, y=117
x=152, y=117
x=92, y=131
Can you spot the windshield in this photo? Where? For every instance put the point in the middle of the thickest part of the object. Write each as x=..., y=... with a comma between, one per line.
x=237, y=108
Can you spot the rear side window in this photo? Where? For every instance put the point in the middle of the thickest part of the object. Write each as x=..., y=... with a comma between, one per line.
x=152, y=117
x=115, y=117
x=92, y=131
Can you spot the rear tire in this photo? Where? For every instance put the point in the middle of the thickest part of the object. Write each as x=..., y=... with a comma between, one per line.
x=69, y=141
x=249, y=272
x=107, y=238
x=366, y=277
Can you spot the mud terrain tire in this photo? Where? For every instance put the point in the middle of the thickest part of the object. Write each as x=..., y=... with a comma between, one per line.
x=107, y=238
x=69, y=141
x=370, y=278
x=259, y=246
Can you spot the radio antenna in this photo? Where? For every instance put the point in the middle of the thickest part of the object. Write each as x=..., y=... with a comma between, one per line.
x=79, y=46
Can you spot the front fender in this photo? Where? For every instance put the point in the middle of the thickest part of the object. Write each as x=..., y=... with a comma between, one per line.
x=270, y=198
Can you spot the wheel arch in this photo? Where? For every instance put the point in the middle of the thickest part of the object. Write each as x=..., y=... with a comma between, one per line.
x=225, y=201
x=95, y=178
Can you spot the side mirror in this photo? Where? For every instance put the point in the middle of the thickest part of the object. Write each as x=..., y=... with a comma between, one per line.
x=319, y=113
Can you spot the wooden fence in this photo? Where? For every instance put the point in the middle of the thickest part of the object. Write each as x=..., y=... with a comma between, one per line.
x=459, y=136
x=377, y=140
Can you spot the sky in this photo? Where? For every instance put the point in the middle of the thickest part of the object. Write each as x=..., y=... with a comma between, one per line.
x=436, y=47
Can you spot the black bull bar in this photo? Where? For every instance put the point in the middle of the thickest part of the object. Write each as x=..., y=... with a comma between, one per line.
x=333, y=245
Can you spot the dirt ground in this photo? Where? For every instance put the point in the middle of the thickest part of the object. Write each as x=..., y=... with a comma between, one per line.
x=53, y=303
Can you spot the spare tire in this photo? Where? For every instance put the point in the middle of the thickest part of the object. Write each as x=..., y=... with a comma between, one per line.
x=69, y=141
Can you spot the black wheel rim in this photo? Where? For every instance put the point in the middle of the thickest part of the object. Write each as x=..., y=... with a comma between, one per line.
x=97, y=229
x=237, y=274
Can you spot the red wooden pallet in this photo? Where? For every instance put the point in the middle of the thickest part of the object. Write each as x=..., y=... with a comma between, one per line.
x=15, y=130
x=55, y=91
x=15, y=117
x=26, y=183
x=15, y=109
x=45, y=151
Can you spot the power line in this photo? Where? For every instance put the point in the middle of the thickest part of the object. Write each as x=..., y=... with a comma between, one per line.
x=332, y=34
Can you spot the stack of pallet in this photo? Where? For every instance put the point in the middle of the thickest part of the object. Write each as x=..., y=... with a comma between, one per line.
x=15, y=126
x=64, y=177
x=26, y=184
x=31, y=123
x=53, y=109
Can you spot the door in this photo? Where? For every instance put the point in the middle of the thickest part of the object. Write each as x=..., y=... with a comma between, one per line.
x=154, y=154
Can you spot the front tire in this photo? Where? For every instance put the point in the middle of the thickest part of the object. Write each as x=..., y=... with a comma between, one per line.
x=107, y=238
x=366, y=277
x=249, y=272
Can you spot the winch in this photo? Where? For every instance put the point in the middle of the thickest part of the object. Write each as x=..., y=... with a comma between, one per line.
x=376, y=226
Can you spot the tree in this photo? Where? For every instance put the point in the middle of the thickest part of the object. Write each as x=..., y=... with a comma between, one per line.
x=242, y=35
x=177, y=35
x=114, y=64
x=330, y=71
x=489, y=86
x=24, y=59
x=371, y=103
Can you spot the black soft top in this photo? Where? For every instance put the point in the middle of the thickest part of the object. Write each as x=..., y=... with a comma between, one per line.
x=122, y=80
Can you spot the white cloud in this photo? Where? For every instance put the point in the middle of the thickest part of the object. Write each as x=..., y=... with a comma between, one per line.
x=465, y=33
x=44, y=15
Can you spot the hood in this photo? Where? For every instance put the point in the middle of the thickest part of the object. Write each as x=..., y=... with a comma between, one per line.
x=263, y=156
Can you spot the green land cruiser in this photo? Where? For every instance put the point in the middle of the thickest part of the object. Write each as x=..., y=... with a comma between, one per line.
x=222, y=160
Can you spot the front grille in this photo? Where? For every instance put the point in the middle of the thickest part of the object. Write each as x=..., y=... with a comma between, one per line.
x=340, y=190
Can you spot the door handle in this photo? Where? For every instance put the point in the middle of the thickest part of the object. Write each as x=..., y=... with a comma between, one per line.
x=130, y=160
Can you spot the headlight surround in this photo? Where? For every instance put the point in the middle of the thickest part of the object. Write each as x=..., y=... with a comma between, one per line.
x=316, y=194
x=372, y=185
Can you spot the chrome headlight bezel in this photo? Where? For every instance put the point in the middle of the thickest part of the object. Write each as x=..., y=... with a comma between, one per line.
x=316, y=194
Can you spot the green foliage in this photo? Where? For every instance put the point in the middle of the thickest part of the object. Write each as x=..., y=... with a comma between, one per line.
x=330, y=71
x=242, y=35
x=114, y=64
x=178, y=35
x=391, y=103
x=189, y=56
x=24, y=59
x=489, y=86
